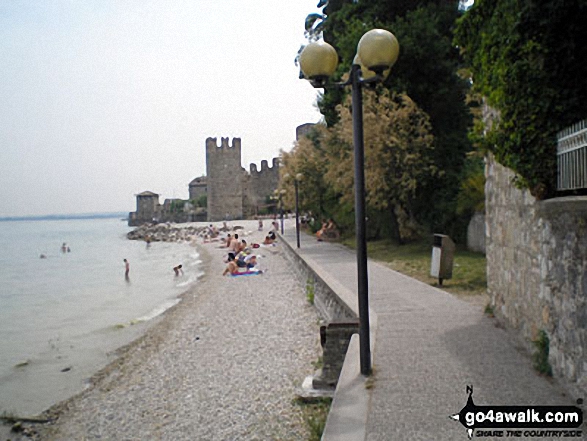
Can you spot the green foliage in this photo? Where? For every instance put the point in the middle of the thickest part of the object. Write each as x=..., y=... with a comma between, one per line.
x=427, y=72
x=489, y=310
x=310, y=291
x=528, y=60
x=176, y=206
x=202, y=201
x=315, y=412
x=398, y=151
x=540, y=357
x=308, y=157
x=471, y=197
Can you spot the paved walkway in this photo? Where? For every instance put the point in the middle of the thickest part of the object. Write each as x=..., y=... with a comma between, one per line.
x=428, y=346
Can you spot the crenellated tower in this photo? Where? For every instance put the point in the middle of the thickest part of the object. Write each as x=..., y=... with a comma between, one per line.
x=262, y=182
x=224, y=179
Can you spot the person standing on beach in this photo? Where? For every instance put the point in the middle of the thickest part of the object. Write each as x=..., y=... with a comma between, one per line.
x=126, y=269
x=177, y=269
x=235, y=245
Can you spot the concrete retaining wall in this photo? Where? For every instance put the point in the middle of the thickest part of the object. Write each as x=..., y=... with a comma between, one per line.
x=328, y=300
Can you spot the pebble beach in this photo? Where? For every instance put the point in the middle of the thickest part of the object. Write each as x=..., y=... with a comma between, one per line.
x=223, y=364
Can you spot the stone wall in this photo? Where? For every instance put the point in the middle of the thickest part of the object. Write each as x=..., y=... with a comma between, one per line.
x=262, y=183
x=537, y=269
x=148, y=209
x=224, y=179
x=198, y=188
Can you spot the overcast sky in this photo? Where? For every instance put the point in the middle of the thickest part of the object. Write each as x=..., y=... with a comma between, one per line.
x=100, y=100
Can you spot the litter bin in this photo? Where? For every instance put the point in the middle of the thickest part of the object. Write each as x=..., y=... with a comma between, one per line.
x=443, y=251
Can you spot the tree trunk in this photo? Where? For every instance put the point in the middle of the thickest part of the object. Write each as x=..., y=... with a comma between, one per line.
x=395, y=227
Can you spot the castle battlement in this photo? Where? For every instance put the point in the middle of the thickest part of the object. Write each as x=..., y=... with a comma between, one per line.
x=231, y=191
x=212, y=145
x=264, y=167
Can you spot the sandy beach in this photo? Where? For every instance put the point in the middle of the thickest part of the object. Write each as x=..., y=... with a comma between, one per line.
x=223, y=364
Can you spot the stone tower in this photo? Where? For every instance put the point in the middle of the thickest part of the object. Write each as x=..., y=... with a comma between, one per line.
x=262, y=183
x=224, y=179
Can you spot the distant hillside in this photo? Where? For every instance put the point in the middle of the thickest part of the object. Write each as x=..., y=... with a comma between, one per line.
x=120, y=215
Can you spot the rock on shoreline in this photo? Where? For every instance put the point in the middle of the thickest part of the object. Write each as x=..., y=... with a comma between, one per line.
x=165, y=232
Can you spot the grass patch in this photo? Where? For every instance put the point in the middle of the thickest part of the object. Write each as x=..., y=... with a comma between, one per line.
x=489, y=310
x=319, y=363
x=310, y=291
x=469, y=275
x=315, y=413
x=540, y=357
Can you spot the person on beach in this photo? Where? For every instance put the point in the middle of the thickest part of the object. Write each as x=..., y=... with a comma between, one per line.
x=251, y=261
x=126, y=268
x=64, y=248
x=260, y=225
x=235, y=244
x=268, y=240
x=178, y=271
x=232, y=267
x=228, y=241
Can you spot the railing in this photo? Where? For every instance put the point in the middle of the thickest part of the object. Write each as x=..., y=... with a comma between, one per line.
x=572, y=157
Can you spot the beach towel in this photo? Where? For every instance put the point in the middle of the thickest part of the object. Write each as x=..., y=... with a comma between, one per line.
x=248, y=273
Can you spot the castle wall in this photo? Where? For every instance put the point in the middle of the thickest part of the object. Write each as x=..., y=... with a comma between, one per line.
x=147, y=209
x=304, y=130
x=262, y=182
x=224, y=179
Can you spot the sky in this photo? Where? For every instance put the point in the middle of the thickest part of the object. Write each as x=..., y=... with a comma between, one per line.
x=103, y=99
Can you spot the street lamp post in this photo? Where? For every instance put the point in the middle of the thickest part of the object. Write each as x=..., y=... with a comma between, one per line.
x=281, y=193
x=297, y=215
x=377, y=51
x=297, y=178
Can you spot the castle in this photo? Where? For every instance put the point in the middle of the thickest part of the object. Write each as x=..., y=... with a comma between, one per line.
x=231, y=191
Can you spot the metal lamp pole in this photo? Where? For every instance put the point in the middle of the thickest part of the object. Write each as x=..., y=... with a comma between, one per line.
x=297, y=215
x=281, y=208
x=362, y=279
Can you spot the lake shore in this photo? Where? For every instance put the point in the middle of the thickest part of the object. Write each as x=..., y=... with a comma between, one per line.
x=224, y=363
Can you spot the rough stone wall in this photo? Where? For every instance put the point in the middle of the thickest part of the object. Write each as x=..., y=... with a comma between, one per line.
x=303, y=130
x=537, y=269
x=197, y=188
x=249, y=209
x=334, y=338
x=263, y=182
x=224, y=179
x=476, y=233
x=148, y=208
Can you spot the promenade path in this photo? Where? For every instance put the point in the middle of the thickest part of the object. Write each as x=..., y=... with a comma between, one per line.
x=427, y=347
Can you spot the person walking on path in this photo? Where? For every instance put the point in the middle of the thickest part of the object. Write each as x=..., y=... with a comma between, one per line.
x=126, y=269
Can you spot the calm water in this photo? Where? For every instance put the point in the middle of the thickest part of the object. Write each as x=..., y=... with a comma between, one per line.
x=68, y=312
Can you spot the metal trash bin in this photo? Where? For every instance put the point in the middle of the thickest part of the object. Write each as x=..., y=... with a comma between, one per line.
x=443, y=251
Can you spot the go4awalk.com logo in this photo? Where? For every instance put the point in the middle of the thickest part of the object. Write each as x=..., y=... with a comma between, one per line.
x=519, y=421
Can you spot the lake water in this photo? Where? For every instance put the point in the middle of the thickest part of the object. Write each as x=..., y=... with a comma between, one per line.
x=62, y=316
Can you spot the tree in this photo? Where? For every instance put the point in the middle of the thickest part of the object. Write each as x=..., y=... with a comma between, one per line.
x=308, y=158
x=427, y=72
x=398, y=155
